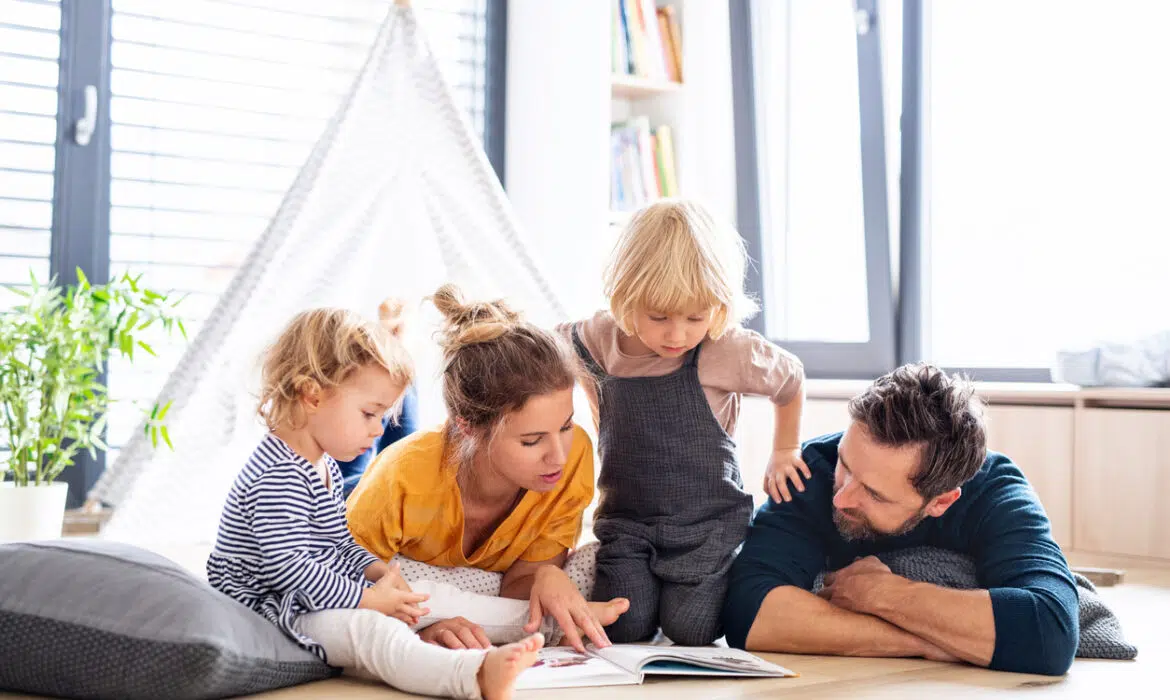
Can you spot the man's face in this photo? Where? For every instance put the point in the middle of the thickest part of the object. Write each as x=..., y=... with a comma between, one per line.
x=873, y=496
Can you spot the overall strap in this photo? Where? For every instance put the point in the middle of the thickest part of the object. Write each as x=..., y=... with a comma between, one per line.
x=586, y=357
x=693, y=356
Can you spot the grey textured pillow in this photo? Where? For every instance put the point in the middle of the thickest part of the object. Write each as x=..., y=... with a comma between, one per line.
x=95, y=619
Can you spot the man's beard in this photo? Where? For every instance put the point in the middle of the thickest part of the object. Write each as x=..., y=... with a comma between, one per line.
x=862, y=529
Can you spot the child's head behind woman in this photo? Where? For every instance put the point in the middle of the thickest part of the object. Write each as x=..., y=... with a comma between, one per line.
x=330, y=378
x=508, y=389
x=676, y=276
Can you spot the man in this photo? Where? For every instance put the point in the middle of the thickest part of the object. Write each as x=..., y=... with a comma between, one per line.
x=911, y=470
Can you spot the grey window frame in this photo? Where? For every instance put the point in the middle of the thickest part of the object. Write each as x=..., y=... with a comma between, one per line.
x=822, y=359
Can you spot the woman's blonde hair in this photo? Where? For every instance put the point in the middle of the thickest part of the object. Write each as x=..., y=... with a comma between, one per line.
x=319, y=349
x=493, y=362
x=673, y=257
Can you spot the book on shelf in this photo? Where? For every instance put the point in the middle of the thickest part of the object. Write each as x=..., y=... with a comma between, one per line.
x=629, y=664
x=642, y=165
x=645, y=40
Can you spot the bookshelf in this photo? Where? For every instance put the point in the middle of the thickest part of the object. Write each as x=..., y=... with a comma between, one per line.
x=647, y=83
x=632, y=87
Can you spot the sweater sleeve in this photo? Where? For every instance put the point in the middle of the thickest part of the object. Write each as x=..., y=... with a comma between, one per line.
x=785, y=546
x=283, y=511
x=1033, y=594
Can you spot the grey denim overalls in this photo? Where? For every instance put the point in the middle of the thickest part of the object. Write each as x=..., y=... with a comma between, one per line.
x=672, y=511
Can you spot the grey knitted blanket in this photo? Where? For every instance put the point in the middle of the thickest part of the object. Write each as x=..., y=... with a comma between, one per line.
x=1101, y=635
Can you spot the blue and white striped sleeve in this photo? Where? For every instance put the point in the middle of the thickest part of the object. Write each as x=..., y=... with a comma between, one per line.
x=357, y=556
x=282, y=511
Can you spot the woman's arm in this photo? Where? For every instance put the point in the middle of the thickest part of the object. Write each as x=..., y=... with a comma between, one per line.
x=519, y=578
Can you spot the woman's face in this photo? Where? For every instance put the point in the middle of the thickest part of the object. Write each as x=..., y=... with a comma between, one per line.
x=532, y=443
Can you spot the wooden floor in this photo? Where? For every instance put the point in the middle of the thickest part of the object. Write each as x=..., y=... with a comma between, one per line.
x=1142, y=603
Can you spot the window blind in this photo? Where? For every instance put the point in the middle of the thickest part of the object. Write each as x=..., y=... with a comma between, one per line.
x=29, y=49
x=215, y=104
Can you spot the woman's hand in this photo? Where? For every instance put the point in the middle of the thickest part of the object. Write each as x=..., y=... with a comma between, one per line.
x=456, y=633
x=554, y=594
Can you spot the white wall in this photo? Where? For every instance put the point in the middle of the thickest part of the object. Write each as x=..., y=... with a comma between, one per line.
x=557, y=136
x=706, y=133
x=558, y=116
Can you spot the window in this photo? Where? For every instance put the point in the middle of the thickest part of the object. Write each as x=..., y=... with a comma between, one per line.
x=1030, y=167
x=1047, y=179
x=29, y=46
x=811, y=168
x=206, y=110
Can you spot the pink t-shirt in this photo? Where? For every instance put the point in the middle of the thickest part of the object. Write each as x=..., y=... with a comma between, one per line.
x=740, y=362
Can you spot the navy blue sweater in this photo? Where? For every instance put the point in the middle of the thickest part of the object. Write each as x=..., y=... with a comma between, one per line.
x=998, y=521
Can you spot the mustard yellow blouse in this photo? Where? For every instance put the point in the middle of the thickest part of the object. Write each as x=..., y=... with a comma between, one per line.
x=408, y=502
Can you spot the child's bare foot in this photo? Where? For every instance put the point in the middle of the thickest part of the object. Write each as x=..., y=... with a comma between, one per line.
x=608, y=613
x=500, y=667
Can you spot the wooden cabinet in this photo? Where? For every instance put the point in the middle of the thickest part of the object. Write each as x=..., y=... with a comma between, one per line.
x=1040, y=440
x=1122, y=482
x=757, y=421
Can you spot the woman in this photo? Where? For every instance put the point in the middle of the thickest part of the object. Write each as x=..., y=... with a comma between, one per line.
x=502, y=486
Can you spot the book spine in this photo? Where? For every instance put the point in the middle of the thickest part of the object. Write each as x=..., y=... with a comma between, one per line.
x=675, y=39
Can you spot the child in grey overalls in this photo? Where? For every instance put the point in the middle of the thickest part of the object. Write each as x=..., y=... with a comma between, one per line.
x=671, y=361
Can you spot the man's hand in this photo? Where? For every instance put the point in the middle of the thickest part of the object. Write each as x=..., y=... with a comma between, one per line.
x=857, y=586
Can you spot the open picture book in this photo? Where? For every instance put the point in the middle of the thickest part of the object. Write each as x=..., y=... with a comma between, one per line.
x=629, y=664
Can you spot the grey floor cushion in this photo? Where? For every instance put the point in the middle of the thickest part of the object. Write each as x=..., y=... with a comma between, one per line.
x=94, y=619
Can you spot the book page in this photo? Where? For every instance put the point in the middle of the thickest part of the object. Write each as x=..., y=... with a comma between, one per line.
x=562, y=667
x=701, y=660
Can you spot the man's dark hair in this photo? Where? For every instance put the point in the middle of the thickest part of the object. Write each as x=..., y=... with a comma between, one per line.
x=921, y=404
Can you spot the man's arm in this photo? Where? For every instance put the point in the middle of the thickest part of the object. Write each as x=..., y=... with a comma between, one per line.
x=959, y=623
x=768, y=605
x=795, y=621
x=1033, y=596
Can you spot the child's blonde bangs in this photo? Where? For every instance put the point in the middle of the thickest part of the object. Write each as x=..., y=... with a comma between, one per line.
x=673, y=259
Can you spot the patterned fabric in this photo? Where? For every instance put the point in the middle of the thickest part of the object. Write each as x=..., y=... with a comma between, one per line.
x=398, y=167
x=1101, y=635
x=580, y=567
x=283, y=547
x=409, y=503
x=133, y=626
x=672, y=510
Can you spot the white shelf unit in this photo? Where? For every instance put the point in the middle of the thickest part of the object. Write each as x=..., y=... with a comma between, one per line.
x=662, y=101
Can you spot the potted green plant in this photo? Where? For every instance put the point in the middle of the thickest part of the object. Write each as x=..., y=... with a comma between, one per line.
x=53, y=399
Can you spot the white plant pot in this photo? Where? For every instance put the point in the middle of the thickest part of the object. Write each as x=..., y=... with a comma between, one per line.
x=32, y=512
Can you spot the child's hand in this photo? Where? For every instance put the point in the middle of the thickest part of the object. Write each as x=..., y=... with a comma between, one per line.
x=784, y=466
x=388, y=599
x=378, y=570
x=395, y=575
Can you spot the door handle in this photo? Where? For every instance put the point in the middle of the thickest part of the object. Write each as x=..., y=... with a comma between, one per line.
x=83, y=128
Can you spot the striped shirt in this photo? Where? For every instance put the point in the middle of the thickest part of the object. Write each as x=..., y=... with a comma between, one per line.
x=283, y=547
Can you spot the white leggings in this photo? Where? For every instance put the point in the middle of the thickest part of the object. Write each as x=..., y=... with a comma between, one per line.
x=373, y=646
x=370, y=645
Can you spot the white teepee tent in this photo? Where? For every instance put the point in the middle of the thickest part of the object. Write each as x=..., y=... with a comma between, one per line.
x=396, y=198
